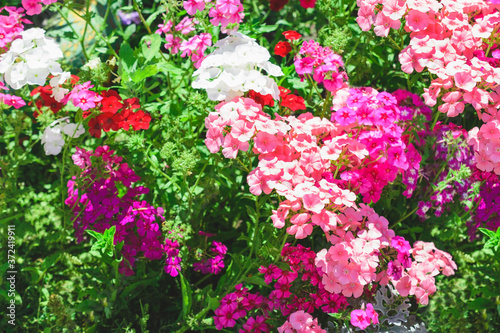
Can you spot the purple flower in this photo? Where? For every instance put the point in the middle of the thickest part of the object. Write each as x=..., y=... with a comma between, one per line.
x=129, y=18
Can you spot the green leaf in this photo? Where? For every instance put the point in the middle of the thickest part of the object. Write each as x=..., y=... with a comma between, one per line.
x=480, y=304
x=154, y=42
x=129, y=31
x=187, y=295
x=168, y=68
x=143, y=73
x=489, y=233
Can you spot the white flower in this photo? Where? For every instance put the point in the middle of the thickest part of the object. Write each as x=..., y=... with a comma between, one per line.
x=30, y=59
x=92, y=64
x=235, y=67
x=52, y=138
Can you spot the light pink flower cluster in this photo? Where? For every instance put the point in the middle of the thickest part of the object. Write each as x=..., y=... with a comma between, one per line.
x=486, y=145
x=301, y=322
x=322, y=64
x=419, y=278
x=363, y=318
x=194, y=47
x=353, y=261
x=34, y=7
x=10, y=26
x=363, y=253
x=454, y=40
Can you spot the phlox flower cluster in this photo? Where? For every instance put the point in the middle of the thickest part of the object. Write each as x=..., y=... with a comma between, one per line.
x=30, y=59
x=380, y=122
x=365, y=251
x=45, y=97
x=300, y=322
x=322, y=64
x=11, y=100
x=298, y=290
x=353, y=262
x=34, y=7
x=115, y=113
x=486, y=144
x=238, y=305
x=451, y=149
x=454, y=40
x=419, y=279
x=215, y=262
x=487, y=213
x=52, y=138
x=223, y=12
x=96, y=204
x=291, y=101
x=82, y=97
x=363, y=318
x=10, y=26
x=194, y=47
x=235, y=68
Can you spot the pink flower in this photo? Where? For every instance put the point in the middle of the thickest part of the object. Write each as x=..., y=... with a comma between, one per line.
x=360, y=319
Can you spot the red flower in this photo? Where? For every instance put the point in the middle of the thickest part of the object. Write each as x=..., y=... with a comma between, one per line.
x=292, y=35
x=111, y=101
x=95, y=128
x=261, y=99
x=282, y=48
x=140, y=120
x=277, y=5
x=293, y=102
x=110, y=121
x=132, y=103
x=283, y=91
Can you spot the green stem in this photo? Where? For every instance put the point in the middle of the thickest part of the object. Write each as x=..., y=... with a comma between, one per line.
x=81, y=39
x=404, y=217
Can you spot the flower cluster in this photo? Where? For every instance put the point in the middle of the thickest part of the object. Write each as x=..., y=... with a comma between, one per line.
x=487, y=213
x=34, y=7
x=127, y=18
x=322, y=64
x=30, y=59
x=11, y=100
x=451, y=184
x=380, y=121
x=116, y=113
x=419, y=278
x=10, y=26
x=96, y=204
x=296, y=291
x=52, y=138
x=291, y=101
x=222, y=12
x=486, y=144
x=235, y=68
x=193, y=47
x=301, y=321
x=215, y=264
x=363, y=318
x=456, y=42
